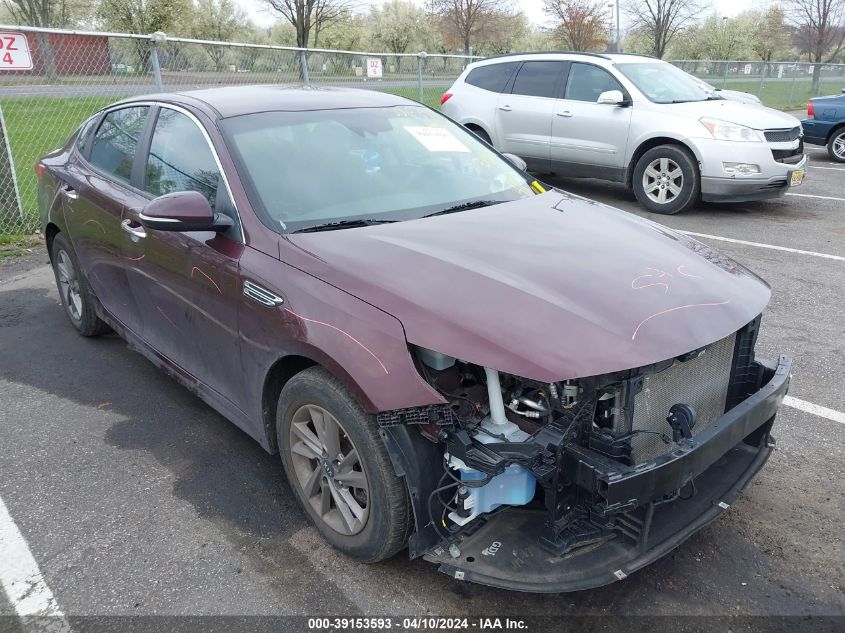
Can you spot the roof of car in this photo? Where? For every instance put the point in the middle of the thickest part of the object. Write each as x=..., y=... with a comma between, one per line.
x=567, y=55
x=235, y=100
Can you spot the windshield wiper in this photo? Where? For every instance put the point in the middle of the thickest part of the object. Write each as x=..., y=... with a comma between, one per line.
x=342, y=224
x=477, y=204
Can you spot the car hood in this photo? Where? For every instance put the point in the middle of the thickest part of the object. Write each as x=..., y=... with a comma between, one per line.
x=754, y=116
x=549, y=288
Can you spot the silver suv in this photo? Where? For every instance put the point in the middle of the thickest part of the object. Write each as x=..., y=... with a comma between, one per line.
x=630, y=119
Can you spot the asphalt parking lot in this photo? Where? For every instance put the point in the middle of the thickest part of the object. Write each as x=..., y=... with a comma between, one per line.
x=137, y=499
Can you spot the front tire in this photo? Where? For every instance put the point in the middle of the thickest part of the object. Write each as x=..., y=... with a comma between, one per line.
x=666, y=180
x=339, y=469
x=74, y=291
x=836, y=146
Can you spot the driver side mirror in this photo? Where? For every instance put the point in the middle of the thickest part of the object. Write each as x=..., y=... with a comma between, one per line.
x=612, y=97
x=183, y=211
x=516, y=160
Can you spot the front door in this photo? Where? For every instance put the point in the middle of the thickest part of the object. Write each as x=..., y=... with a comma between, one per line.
x=525, y=110
x=587, y=135
x=94, y=200
x=187, y=283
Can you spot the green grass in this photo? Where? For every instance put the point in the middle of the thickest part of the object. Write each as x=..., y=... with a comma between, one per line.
x=14, y=245
x=37, y=125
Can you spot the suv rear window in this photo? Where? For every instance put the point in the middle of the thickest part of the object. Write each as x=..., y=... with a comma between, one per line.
x=492, y=77
x=538, y=79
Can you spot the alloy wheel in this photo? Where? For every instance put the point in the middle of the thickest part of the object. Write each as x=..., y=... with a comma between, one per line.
x=663, y=180
x=839, y=146
x=329, y=470
x=69, y=285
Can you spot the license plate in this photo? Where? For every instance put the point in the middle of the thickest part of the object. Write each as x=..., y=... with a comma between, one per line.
x=797, y=178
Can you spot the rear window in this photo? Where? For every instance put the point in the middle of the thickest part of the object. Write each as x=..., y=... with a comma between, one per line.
x=492, y=77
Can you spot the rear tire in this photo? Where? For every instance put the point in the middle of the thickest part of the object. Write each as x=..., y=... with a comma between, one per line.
x=74, y=291
x=339, y=468
x=480, y=134
x=666, y=180
x=836, y=146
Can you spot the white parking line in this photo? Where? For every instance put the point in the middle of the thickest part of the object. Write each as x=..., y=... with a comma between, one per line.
x=828, y=168
x=22, y=580
x=809, y=195
x=809, y=407
x=758, y=244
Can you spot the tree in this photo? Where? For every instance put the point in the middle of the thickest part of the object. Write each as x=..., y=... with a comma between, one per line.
x=771, y=35
x=661, y=20
x=143, y=17
x=307, y=16
x=580, y=24
x=821, y=30
x=221, y=21
x=467, y=18
x=395, y=26
x=48, y=13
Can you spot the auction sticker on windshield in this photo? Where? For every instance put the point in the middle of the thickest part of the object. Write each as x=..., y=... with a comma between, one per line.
x=14, y=52
x=437, y=139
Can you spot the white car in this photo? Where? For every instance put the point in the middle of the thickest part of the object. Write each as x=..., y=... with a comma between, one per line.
x=631, y=119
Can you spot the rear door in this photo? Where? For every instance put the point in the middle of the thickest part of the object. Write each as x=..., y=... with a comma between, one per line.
x=186, y=283
x=525, y=111
x=95, y=188
x=587, y=133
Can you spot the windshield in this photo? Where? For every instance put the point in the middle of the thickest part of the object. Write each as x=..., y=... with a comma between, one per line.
x=664, y=83
x=365, y=165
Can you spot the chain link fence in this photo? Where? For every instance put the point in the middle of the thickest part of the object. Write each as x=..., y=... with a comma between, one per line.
x=74, y=74
x=781, y=85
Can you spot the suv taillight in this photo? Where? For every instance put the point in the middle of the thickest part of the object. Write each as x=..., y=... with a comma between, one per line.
x=39, y=170
x=810, y=111
x=446, y=96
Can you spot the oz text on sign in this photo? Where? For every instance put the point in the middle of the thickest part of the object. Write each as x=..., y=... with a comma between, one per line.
x=14, y=52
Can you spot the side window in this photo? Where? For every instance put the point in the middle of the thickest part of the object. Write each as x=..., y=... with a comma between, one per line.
x=114, y=144
x=538, y=79
x=83, y=139
x=180, y=158
x=586, y=82
x=492, y=77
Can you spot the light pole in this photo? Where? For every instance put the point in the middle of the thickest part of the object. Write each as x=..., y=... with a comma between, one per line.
x=614, y=45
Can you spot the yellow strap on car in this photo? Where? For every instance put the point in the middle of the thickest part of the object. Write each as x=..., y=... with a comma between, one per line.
x=538, y=187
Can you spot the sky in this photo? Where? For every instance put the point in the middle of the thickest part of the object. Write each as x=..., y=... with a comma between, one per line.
x=256, y=9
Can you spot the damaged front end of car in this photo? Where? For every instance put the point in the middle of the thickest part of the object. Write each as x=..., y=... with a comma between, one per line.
x=568, y=485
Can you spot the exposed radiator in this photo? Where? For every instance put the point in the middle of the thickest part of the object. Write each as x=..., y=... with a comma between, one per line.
x=701, y=382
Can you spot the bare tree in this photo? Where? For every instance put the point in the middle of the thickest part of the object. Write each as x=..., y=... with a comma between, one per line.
x=581, y=24
x=661, y=20
x=307, y=16
x=820, y=28
x=468, y=17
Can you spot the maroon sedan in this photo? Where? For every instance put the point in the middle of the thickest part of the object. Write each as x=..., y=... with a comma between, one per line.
x=531, y=389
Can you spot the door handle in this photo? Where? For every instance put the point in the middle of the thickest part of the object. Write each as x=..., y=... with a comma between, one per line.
x=565, y=113
x=69, y=192
x=506, y=108
x=135, y=232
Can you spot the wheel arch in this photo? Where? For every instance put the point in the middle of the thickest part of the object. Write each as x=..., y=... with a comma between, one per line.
x=651, y=143
x=474, y=124
x=50, y=233
x=285, y=368
x=834, y=130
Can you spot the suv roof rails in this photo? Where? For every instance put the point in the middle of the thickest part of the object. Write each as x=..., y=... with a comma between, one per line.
x=602, y=55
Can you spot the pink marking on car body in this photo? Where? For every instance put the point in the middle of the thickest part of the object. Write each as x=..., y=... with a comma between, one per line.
x=100, y=226
x=345, y=333
x=137, y=259
x=681, y=272
x=691, y=305
x=200, y=271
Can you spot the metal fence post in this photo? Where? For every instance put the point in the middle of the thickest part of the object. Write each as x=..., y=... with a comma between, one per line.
x=420, y=63
x=156, y=37
x=303, y=67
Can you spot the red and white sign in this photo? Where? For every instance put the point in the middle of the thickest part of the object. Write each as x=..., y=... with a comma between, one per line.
x=14, y=52
x=374, y=67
